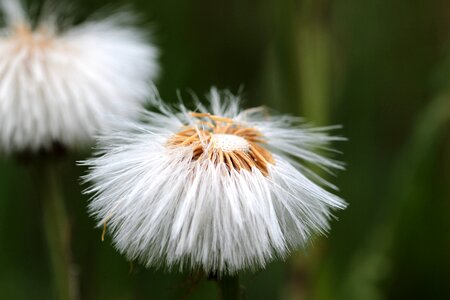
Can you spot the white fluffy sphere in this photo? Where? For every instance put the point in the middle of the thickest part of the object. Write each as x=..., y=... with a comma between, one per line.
x=221, y=192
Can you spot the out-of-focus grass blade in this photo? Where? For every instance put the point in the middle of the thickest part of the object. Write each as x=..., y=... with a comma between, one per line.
x=370, y=267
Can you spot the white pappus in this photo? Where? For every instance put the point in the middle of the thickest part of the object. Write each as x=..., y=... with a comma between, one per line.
x=219, y=189
x=59, y=83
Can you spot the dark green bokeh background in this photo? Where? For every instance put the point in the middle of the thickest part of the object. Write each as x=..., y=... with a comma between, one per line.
x=379, y=67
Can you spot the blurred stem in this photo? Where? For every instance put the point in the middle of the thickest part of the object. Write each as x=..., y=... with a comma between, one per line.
x=311, y=42
x=313, y=48
x=56, y=226
x=229, y=287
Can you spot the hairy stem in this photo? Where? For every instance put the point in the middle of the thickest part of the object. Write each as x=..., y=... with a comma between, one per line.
x=229, y=287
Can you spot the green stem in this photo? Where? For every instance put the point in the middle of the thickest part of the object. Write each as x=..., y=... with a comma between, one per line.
x=56, y=226
x=229, y=288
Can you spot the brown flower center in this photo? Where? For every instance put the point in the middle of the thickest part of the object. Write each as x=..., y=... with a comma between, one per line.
x=222, y=140
x=25, y=36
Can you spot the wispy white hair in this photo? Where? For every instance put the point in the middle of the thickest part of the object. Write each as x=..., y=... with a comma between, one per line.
x=165, y=209
x=59, y=83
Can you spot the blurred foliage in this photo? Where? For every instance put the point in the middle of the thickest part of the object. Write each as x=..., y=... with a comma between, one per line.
x=379, y=67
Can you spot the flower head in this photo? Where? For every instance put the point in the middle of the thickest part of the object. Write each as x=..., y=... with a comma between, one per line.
x=58, y=84
x=218, y=189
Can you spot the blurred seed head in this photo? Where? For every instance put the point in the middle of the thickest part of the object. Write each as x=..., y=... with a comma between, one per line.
x=60, y=83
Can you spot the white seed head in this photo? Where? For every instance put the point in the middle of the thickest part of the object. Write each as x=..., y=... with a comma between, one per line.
x=60, y=85
x=220, y=189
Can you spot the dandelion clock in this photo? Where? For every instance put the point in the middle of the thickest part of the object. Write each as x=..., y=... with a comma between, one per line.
x=217, y=189
x=58, y=82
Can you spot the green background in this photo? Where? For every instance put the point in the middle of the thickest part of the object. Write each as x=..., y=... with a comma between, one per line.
x=381, y=68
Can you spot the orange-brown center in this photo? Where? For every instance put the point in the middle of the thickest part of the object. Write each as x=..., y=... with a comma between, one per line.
x=222, y=140
x=26, y=36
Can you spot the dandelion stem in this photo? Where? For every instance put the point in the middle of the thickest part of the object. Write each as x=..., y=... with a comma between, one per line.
x=229, y=287
x=56, y=226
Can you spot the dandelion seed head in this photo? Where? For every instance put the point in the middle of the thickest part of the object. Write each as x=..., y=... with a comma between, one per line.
x=220, y=189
